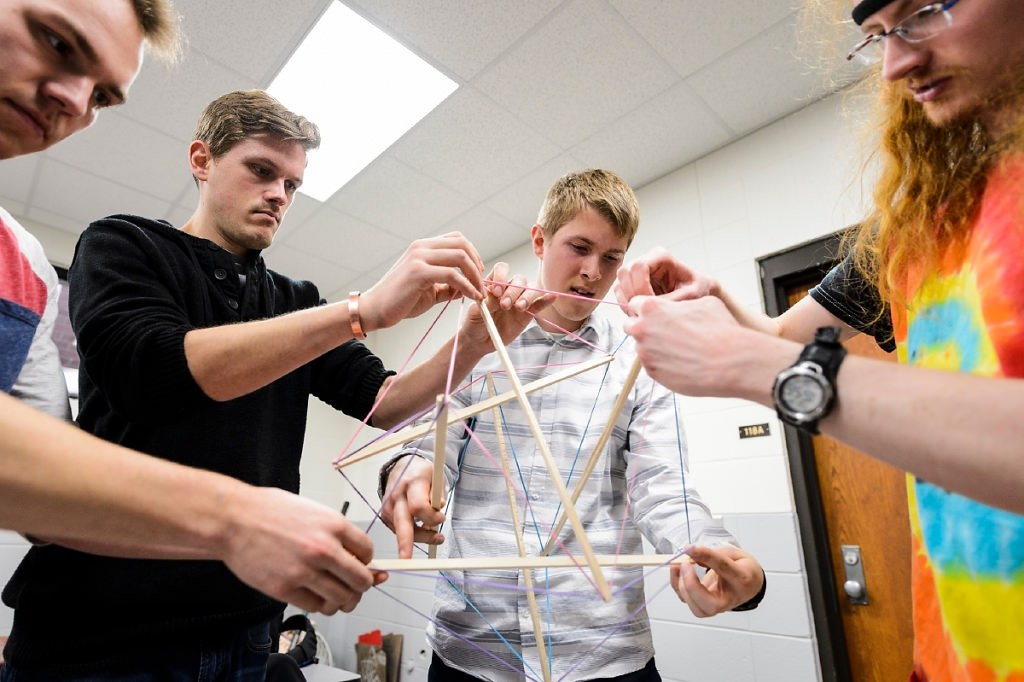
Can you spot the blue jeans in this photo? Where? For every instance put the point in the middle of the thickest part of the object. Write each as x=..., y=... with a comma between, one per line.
x=242, y=658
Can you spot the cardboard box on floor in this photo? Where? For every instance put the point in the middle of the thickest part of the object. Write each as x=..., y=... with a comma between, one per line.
x=379, y=657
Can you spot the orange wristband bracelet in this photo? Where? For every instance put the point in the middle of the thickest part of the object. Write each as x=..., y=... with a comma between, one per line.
x=353, y=316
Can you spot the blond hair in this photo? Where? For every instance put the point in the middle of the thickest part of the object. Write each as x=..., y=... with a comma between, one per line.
x=159, y=22
x=601, y=190
x=241, y=114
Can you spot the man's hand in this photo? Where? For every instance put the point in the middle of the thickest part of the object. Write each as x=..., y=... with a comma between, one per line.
x=733, y=578
x=430, y=271
x=511, y=305
x=660, y=274
x=406, y=509
x=688, y=346
x=299, y=551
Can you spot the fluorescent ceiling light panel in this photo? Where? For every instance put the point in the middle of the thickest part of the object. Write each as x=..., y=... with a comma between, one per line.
x=361, y=88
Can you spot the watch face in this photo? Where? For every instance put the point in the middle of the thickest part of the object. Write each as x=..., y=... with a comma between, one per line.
x=802, y=393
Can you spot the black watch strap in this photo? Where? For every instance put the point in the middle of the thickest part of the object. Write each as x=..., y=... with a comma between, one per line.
x=826, y=351
x=824, y=355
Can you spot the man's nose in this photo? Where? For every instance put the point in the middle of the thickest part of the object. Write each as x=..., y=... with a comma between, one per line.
x=73, y=93
x=900, y=58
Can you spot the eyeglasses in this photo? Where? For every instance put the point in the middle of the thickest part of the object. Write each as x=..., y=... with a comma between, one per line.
x=925, y=23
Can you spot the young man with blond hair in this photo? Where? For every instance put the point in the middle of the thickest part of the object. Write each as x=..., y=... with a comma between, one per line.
x=934, y=273
x=640, y=489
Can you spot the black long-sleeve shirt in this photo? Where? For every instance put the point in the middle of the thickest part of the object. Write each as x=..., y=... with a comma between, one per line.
x=137, y=286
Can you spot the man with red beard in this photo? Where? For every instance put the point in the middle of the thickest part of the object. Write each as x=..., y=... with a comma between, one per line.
x=935, y=273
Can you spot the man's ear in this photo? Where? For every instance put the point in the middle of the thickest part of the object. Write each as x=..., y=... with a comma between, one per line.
x=199, y=159
x=537, y=240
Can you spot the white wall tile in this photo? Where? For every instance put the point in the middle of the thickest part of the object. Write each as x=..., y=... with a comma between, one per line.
x=688, y=653
x=715, y=436
x=745, y=486
x=784, y=610
x=772, y=538
x=784, y=659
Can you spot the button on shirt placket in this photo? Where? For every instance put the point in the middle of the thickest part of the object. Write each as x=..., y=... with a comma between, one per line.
x=225, y=279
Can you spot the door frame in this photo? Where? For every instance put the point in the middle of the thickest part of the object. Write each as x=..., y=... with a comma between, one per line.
x=779, y=271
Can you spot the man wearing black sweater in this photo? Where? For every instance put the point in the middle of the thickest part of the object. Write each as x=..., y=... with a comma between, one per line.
x=63, y=62
x=192, y=350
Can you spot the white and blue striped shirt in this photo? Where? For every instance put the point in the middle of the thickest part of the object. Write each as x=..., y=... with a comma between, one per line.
x=636, y=489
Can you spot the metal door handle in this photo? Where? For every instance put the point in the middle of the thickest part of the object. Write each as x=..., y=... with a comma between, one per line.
x=855, y=587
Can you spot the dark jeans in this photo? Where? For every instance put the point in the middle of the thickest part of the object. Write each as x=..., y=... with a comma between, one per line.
x=439, y=672
x=242, y=658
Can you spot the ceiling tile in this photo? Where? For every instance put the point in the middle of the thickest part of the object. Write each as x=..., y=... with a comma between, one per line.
x=326, y=275
x=345, y=240
x=691, y=34
x=178, y=215
x=399, y=199
x=52, y=220
x=17, y=178
x=83, y=197
x=253, y=37
x=735, y=89
x=686, y=128
x=302, y=209
x=520, y=202
x=157, y=172
x=490, y=233
x=471, y=144
x=577, y=73
x=171, y=98
x=484, y=29
x=188, y=195
x=16, y=208
x=357, y=283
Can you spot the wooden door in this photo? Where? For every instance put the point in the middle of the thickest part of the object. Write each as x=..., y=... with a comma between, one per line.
x=865, y=504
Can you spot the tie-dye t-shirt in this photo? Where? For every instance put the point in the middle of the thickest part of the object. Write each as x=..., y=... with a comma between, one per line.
x=968, y=558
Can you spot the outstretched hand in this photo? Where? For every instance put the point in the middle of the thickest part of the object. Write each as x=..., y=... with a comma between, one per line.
x=430, y=271
x=406, y=508
x=660, y=274
x=511, y=305
x=733, y=578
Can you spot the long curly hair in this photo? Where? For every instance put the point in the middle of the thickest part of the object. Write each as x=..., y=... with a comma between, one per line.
x=930, y=178
x=929, y=188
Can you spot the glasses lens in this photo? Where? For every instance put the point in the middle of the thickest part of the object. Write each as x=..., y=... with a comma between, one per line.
x=924, y=24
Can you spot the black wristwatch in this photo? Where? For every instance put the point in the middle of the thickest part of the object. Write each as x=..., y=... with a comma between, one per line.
x=805, y=392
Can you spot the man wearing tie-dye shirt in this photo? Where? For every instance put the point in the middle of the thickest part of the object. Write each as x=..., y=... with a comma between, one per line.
x=935, y=272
